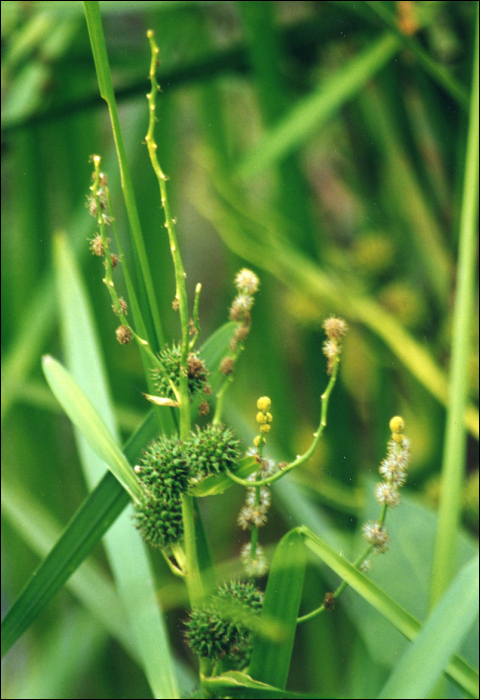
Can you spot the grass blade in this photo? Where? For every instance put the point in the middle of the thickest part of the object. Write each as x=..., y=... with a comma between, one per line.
x=420, y=667
x=438, y=72
x=271, y=660
x=148, y=300
x=458, y=670
x=82, y=533
x=127, y=553
x=86, y=419
x=236, y=683
x=455, y=436
x=308, y=115
x=89, y=583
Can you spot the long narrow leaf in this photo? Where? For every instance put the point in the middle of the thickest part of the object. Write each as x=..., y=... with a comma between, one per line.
x=82, y=533
x=453, y=466
x=316, y=109
x=458, y=670
x=36, y=526
x=148, y=301
x=125, y=548
x=83, y=415
x=422, y=664
x=271, y=660
x=236, y=683
x=435, y=69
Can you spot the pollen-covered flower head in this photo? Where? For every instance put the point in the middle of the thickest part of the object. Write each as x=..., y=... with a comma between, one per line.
x=124, y=335
x=246, y=281
x=256, y=566
x=241, y=304
x=387, y=494
x=335, y=328
x=376, y=535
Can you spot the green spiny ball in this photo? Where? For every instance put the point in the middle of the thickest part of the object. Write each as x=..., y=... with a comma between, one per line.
x=160, y=521
x=164, y=470
x=244, y=592
x=211, y=635
x=197, y=373
x=212, y=450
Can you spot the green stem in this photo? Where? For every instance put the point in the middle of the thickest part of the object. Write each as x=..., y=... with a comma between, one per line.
x=196, y=589
x=303, y=458
x=254, y=535
x=144, y=278
x=194, y=581
x=453, y=466
x=358, y=562
x=180, y=288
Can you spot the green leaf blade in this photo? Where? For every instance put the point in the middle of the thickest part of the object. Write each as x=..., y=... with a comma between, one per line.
x=316, y=109
x=421, y=665
x=90, y=424
x=458, y=670
x=82, y=533
x=271, y=660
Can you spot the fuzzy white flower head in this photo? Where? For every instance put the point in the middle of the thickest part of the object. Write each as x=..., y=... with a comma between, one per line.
x=393, y=472
x=246, y=281
x=252, y=515
x=264, y=498
x=256, y=566
x=243, y=302
x=267, y=467
x=386, y=494
x=377, y=536
x=366, y=566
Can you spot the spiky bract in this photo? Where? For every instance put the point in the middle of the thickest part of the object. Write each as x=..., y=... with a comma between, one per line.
x=212, y=450
x=214, y=635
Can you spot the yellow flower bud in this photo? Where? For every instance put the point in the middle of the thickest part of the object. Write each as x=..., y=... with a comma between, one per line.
x=256, y=441
x=265, y=428
x=264, y=404
x=261, y=417
x=397, y=424
x=398, y=437
x=269, y=417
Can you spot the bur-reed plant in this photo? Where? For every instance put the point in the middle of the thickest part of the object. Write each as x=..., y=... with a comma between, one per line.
x=242, y=636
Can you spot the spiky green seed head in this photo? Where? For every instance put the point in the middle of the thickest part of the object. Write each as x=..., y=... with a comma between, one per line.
x=197, y=373
x=212, y=450
x=160, y=521
x=211, y=634
x=164, y=468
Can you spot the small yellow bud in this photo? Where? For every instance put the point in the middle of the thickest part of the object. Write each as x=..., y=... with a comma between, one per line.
x=264, y=404
x=261, y=417
x=265, y=428
x=256, y=441
x=398, y=437
x=397, y=424
x=269, y=417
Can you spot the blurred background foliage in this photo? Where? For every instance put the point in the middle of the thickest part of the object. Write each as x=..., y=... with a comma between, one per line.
x=319, y=143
